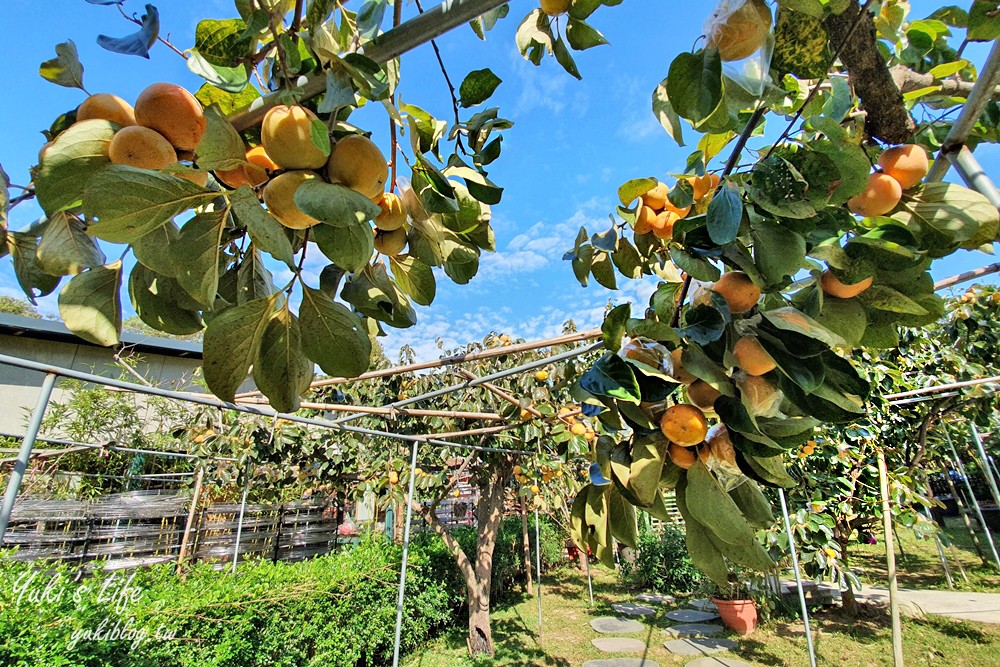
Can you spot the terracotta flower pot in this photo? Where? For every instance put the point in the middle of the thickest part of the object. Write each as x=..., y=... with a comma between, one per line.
x=738, y=615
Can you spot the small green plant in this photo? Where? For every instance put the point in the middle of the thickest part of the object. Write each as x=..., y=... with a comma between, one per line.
x=662, y=563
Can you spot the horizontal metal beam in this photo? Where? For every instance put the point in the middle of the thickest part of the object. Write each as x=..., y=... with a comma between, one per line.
x=389, y=45
x=249, y=409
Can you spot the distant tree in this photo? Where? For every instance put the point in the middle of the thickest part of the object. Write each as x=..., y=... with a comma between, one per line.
x=12, y=306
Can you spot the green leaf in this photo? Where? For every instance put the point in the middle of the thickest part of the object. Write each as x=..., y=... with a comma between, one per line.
x=627, y=259
x=779, y=188
x=582, y=36
x=332, y=335
x=984, y=25
x=229, y=79
x=23, y=250
x=883, y=297
x=197, y=253
x=611, y=377
x=137, y=43
x=704, y=553
x=253, y=280
x=75, y=157
x=226, y=102
x=65, y=247
x=613, y=327
x=335, y=205
x=534, y=36
x=697, y=267
x=778, y=251
x=564, y=58
x=319, y=134
x=603, y=270
x=695, y=361
x=350, y=247
x=375, y=295
x=415, y=278
x=943, y=215
x=280, y=368
x=767, y=470
x=267, y=233
x=631, y=190
x=90, y=305
x=129, y=203
x=477, y=87
x=844, y=317
x=792, y=319
x=224, y=42
x=160, y=302
x=65, y=69
x=694, y=84
x=724, y=214
x=664, y=112
x=221, y=146
x=230, y=345
x=155, y=249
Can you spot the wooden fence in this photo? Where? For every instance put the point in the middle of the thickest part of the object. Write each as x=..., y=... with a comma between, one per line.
x=145, y=527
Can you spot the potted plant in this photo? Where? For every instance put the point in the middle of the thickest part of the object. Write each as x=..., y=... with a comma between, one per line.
x=736, y=607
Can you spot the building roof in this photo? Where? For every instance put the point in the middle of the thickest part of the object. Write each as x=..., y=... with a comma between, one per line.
x=36, y=329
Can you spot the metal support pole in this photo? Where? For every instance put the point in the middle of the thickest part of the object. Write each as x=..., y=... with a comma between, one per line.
x=890, y=559
x=538, y=571
x=17, y=474
x=940, y=550
x=798, y=577
x=590, y=582
x=987, y=470
x=192, y=512
x=982, y=93
x=972, y=173
x=406, y=547
x=391, y=44
x=975, y=502
x=239, y=526
x=964, y=512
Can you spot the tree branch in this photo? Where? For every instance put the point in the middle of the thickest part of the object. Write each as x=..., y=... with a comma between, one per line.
x=853, y=31
x=454, y=548
x=908, y=81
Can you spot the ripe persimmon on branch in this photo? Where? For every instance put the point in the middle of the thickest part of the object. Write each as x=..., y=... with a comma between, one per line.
x=769, y=280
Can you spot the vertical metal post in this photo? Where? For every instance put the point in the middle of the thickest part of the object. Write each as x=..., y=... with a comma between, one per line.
x=975, y=502
x=27, y=444
x=538, y=571
x=964, y=511
x=987, y=470
x=590, y=582
x=798, y=577
x=940, y=550
x=406, y=547
x=239, y=526
x=890, y=558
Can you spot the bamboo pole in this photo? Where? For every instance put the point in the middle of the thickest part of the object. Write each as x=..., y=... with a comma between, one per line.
x=943, y=387
x=401, y=597
x=454, y=360
x=890, y=558
x=386, y=411
x=192, y=512
x=967, y=276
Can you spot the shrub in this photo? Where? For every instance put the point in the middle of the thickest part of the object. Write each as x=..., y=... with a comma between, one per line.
x=333, y=610
x=662, y=563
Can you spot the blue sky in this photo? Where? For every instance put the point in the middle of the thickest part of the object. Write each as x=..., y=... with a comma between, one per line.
x=572, y=145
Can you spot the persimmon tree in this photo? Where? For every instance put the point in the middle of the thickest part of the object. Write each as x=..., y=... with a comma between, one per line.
x=782, y=279
x=837, y=500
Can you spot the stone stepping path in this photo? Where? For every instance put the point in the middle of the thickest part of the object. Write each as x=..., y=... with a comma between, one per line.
x=655, y=598
x=703, y=605
x=618, y=644
x=621, y=662
x=699, y=646
x=609, y=625
x=633, y=609
x=695, y=630
x=691, y=616
x=718, y=662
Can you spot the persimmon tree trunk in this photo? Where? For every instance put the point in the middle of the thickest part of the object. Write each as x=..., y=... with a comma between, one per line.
x=847, y=598
x=477, y=572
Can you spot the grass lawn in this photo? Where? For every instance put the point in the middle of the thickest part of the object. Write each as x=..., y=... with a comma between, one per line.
x=840, y=641
x=921, y=566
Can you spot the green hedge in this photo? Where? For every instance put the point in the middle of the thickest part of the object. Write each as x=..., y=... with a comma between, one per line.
x=333, y=610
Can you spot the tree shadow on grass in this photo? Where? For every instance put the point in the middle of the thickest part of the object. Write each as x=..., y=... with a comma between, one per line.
x=953, y=628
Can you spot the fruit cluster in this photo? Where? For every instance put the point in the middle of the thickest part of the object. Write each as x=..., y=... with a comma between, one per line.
x=657, y=214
